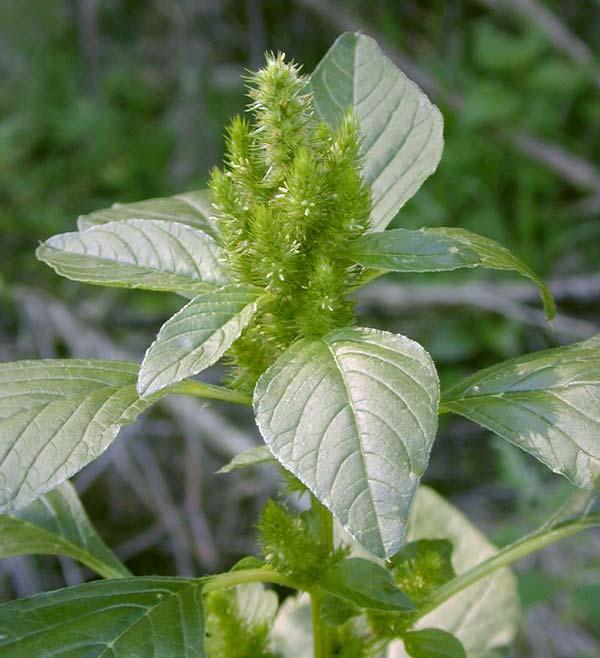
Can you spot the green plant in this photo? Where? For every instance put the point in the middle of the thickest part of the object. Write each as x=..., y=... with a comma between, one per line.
x=383, y=566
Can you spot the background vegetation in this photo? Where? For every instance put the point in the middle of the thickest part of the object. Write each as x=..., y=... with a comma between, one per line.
x=120, y=100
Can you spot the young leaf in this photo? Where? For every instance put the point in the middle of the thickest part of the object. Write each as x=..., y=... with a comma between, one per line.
x=485, y=616
x=364, y=584
x=353, y=416
x=196, y=336
x=191, y=208
x=56, y=524
x=127, y=618
x=547, y=403
x=56, y=416
x=441, y=249
x=402, y=129
x=250, y=457
x=433, y=643
x=136, y=253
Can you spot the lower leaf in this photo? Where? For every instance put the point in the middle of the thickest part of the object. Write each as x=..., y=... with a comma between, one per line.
x=57, y=524
x=128, y=618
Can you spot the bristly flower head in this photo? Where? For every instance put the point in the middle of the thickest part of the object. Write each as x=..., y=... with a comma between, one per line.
x=287, y=203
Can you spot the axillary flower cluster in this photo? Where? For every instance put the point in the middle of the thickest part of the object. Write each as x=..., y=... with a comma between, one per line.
x=288, y=202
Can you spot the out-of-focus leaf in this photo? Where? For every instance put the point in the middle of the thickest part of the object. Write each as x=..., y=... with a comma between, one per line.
x=56, y=524
x=485, y=616
x=433, y=643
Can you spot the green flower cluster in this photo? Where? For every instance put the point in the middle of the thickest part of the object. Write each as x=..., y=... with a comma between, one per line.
x=291, y=545
x=287, y=203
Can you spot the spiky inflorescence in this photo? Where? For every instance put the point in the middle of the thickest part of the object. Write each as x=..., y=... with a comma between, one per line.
x=287, y=203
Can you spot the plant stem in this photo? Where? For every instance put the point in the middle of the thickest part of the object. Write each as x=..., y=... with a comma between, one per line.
x=209, y=392
x=243, y=577
x=321, y=636
x=525, y=546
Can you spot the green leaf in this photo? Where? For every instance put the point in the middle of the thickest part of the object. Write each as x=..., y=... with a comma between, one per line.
x=127, y=618
x=56, y=524
x=547, y=403
x=353, y=416
x=196, y=336
x=250, y=457
x=365, y=584
x=402, y=130
x=56, y=416
x=335, y=611
x=442, y=249
x=420, y=567
x=136, y=253
x=191, y=208
x=485, y=616
x=433, y=643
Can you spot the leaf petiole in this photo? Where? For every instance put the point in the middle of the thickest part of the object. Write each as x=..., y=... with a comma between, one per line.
x=205, y=391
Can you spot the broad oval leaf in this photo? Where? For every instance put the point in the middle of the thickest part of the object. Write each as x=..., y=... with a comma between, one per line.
x=433, y=643
x=56, y=524
x=402, y=129
x=365, y=584
x=126, y=618
x=197, y=336
x=191, y=208
x=485, y=616
x=547, y=403
x=353, y=416
x=442, y=249
x=56, y=416
x=136, y=253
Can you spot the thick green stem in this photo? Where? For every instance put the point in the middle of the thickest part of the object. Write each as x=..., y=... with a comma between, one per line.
x=321, y=635
x=525, y=546
x=209, y=392
x=245, y=576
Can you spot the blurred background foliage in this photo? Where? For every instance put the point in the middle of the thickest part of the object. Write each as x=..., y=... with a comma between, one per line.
x=120, y=100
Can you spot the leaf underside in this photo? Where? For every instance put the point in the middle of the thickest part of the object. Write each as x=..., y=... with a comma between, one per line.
x=134, y=253
x=191, y=208
x=547, y=403
x=196, y=336
x=128, y=618
x=56, y=416
x=353, y=416
x=402, y=129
